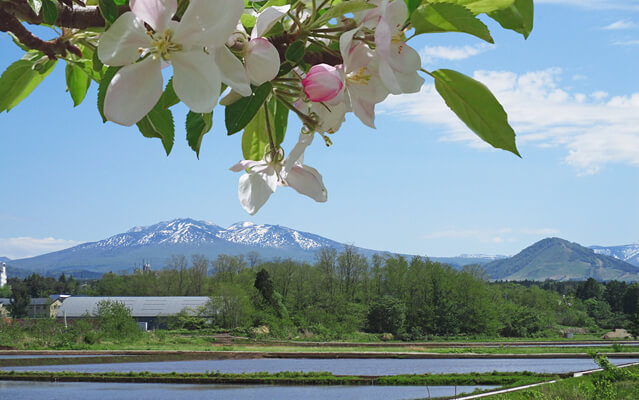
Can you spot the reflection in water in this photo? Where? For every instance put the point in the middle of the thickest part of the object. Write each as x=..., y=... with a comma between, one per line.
x=341, y=366
x=145, y=391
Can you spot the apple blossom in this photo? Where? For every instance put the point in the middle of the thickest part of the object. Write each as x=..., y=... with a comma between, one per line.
x=195, y=47
x=398, y=62
x=364, y=88
x=262, y=177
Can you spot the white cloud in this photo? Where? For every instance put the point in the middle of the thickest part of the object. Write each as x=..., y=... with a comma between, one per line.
x=621, y=24
x=596, y=4
x=23, y=247
x=592, y=129
x=430, y=54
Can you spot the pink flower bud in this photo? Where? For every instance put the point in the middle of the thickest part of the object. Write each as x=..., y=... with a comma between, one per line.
x=322, y=83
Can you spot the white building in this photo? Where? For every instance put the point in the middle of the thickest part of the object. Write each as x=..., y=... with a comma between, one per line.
x=3, y=275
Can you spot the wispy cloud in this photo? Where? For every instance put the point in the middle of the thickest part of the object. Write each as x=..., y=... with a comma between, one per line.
x=634, y=42
x=596, y=4
x=621, y=24
x=593, y=129
x=481, y=235
x=430, y=54
x=22, y=247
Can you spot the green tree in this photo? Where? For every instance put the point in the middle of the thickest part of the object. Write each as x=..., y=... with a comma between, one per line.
x=589, y=289
x=386, y=315
x=19, y=301
x=613, y=294
x=115, y=321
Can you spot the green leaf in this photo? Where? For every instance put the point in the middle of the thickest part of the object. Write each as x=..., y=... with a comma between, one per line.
x=121, y=2
x=168, y=98
x=341, y=9
x=20, y=79
x=412, y=5
x=477, y=107
x=197, y=125
x=109, y=10
x=255, y=139
x=248, y=20
x=279, y=117
x=518, y=17
x=240, y=113
x=77, y=83
x=446, y=17
x=104, y=84
x=158, y=123
x=295, y=52
x=36, y=6
x=477, y=6
x=49, y=12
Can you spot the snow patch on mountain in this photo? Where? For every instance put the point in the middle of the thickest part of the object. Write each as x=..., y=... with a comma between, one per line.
x=628, y=253
x=189, y=231
x=272, y=236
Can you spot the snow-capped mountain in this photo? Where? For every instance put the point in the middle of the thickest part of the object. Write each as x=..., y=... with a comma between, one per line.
x=628, y=253
x=155, y=243
x=197, y=233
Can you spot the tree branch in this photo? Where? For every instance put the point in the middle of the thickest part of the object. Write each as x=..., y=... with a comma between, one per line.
x=52, y=48
x=75, y=17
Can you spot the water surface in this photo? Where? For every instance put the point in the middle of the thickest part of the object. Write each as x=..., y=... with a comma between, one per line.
x=147, y=391
x=341, y=366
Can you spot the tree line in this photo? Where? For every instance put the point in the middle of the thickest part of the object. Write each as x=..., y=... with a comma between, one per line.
x=342, y=293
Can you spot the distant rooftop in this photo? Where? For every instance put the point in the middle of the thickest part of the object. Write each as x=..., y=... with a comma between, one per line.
x=141, y=307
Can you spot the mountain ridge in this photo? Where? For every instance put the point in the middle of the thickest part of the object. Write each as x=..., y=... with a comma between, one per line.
x=559, y=259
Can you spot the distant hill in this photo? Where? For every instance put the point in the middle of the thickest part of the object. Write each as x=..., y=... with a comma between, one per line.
x=559, y=259
x=628, y=253
x=4, y=259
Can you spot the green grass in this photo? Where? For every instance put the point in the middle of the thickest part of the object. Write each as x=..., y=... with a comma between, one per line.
x=581, y=388
x=292, y=378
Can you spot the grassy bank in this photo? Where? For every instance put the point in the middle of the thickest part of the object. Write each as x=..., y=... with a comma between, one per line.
x=284, y=378
x=612, y=383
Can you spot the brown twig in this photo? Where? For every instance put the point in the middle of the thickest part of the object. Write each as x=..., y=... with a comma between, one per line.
x=76, y=17
x=52, y=48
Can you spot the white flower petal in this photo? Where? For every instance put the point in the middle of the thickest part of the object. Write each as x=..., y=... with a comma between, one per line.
x=345, y=42
x=267, y=19
x=387, y=75
x=396, y=14
x=244, y=164
x=297, y=152
x=209, y=22
x=253, y=192
x=133, y=92
x=119, y=45
x=307, y=181
x=196, y=80
x=232, y=70
x=156, y=13
x=262, y=61
x=404, y=58
x=364, y=110
x=410, y=83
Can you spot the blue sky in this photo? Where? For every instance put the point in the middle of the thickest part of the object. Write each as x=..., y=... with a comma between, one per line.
x=420, y=184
